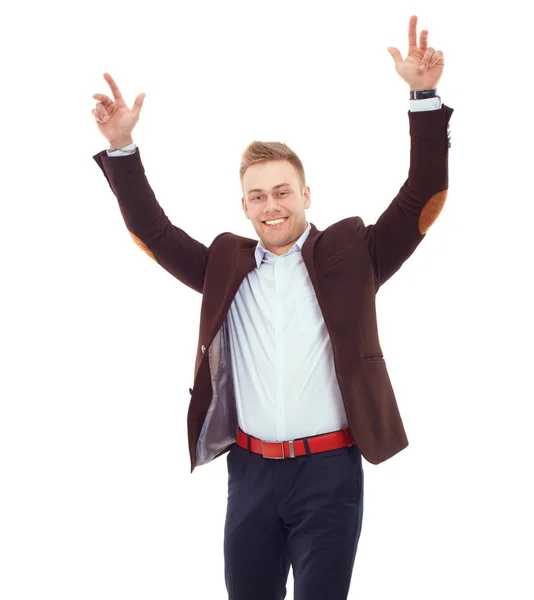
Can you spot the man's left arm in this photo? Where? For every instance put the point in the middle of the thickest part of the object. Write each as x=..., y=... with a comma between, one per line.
x=402, y=226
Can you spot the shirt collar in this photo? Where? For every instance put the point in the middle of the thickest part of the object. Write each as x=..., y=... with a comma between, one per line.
x=261, y=251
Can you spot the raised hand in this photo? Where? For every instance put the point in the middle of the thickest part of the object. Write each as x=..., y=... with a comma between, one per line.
x=114, y=119
x=423, y=66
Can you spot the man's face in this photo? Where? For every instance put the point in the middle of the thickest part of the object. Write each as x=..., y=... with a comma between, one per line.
x=272, y=191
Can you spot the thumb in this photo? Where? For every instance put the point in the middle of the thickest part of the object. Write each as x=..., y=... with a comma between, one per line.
x=138, y=105
x=396, y=55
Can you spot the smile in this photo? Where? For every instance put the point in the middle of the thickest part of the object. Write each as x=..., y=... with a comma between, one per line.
x=274, y=223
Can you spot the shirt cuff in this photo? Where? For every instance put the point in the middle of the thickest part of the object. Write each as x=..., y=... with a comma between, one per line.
x=131, y=146
x=425, y=104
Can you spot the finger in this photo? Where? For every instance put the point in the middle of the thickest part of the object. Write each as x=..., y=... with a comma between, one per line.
x=396, y=55
x=437, y=57
x=97, y=116
x=138, y=105
x=423, y=40
x=102, y=112
x=426, y=58
x=106, y=100
x=412, y=28
x=114, y=87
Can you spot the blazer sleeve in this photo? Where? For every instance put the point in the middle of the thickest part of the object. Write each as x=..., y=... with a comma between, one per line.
x=403, y=225
x=182, y=256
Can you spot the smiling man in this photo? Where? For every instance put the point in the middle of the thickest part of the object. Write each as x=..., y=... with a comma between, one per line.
x=276, y=212
x=288, y=362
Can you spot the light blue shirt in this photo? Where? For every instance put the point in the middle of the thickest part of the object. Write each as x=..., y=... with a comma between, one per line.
x=280, y=351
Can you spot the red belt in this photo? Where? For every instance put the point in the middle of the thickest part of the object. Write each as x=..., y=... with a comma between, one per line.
x=318, y=443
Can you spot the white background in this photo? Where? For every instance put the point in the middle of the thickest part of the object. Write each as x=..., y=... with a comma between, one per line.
x=98, y=341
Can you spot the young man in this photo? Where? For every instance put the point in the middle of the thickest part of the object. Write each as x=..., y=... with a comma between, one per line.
x=288, y=362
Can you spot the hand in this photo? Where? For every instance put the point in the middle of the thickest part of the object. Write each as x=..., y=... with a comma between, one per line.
x=423, y=66
x=114, y=119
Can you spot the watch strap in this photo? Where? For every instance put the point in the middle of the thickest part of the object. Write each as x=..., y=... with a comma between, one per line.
x=423, y=94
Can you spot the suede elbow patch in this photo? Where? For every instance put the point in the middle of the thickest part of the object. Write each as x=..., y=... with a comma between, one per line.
x=431, y=211
x=142, y=245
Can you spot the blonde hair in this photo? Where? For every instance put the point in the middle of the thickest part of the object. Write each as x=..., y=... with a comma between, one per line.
x=257, y=152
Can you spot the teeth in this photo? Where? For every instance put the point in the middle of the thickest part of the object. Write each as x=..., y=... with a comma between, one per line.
x=275, y=222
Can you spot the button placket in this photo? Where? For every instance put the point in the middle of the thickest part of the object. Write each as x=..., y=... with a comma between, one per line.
x=279, y=320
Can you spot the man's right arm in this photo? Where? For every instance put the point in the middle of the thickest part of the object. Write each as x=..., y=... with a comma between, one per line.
x=182, y=256
x=178, y=253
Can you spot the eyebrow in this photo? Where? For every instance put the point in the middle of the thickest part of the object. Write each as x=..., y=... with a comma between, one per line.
x=274, y=188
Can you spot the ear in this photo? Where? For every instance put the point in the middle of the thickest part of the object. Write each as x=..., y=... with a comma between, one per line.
x=306, y=194
x=244, y=206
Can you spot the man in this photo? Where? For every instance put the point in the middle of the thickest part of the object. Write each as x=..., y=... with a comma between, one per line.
x=288, y=362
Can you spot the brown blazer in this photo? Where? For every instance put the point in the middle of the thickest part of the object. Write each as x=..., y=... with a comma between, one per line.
x=347, y=263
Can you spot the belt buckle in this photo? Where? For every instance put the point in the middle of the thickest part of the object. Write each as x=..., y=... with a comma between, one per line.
x=263, y=444
x=291, y=450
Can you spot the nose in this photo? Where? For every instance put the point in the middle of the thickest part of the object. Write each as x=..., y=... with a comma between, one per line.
x=270, y=205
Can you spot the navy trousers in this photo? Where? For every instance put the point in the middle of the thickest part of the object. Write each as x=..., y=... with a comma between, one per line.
x=305, y=512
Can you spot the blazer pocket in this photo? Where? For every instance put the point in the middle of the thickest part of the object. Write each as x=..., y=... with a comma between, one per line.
x=339, y=257
x=373, y=356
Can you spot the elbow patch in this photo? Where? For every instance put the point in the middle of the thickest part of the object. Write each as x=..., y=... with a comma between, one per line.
x=431, y=211
x=142, y=245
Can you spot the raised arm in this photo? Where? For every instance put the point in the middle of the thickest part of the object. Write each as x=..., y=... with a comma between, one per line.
x=402, y=226
x=182, y=256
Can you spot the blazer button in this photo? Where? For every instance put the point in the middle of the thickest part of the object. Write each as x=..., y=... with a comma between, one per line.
x=203, y=348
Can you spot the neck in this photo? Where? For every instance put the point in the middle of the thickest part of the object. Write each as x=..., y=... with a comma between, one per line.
x=279, y=250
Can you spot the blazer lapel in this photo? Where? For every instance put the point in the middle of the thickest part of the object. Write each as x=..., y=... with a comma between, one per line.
x=244, y=263
x=307, y=253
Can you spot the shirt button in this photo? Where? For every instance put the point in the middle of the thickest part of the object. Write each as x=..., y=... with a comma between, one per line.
x=203, y=348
